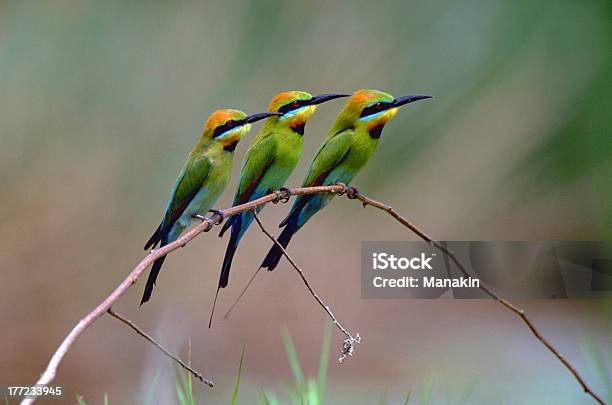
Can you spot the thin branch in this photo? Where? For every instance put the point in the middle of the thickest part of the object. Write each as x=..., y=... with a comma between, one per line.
x=142, y=333
x=349, y=343
x=50, y=372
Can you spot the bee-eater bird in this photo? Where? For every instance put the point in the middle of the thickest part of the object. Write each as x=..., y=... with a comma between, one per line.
x=349, y=145
x=201, y=180
x=269, y=161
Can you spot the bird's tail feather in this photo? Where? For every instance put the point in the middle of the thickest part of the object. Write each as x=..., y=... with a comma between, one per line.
x=274, y=255
x=229, y=252
x=152, y=278
x=212, y=311
x=227, y=225
x=155, y=238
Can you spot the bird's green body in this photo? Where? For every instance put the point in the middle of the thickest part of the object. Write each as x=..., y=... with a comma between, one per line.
x=207, y=170
x=201, y=181
x=348, y=147
x=270, y=160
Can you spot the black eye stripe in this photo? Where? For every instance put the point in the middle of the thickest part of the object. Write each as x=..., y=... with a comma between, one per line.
x=226, y=127
x=294, y=105
x=374, y=108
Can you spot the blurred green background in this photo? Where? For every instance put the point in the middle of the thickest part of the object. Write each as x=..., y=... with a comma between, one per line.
x=101, y=102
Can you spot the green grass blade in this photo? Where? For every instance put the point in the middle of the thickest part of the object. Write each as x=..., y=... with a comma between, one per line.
x=407, y=398
x=189, y=377
x=262, y=399
x=184, y=382
x=293, y=393
x=427, y=390
x=235, y=396
x=180, y=387
x=312, y=394
x=597, y=360
x=180, y=393
x=80, y=400
x=293, y=360
x=324, y=362
x=468, y=391
x=383, y=397
x=106, y=398
x=268, y=398
x=151, y=393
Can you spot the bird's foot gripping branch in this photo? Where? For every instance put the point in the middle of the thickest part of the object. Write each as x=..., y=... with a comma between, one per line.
x=283, y=195
x=351, y=192
x=350, y=341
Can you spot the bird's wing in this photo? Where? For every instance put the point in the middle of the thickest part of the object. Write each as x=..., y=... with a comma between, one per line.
x=329, y=155
x=190, y=181
x=257, y=161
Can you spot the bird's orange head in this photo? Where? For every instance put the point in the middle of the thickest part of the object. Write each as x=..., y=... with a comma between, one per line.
x=296, y=108
x=229, y=126
x=371, y=109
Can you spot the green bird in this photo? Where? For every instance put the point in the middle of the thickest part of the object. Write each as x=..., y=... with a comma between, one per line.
x=269, y=161
x=349, y=145
x=201, y=180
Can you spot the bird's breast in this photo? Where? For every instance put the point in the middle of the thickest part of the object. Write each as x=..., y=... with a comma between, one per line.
x=289, y=150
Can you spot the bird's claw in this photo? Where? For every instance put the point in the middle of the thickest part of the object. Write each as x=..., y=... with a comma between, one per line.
x=351, y=192
x=282, y=195
x=343, y=190
x=287, y=194
x=220, y=214
x=198, y=216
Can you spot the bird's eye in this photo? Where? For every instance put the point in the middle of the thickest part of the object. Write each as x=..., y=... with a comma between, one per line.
x=225, y=127
x=294, y=105
x=374, y=108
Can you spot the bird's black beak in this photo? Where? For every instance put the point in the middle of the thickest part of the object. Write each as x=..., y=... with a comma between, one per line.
x=321, y=98
x=408, y=99
x=259, y=116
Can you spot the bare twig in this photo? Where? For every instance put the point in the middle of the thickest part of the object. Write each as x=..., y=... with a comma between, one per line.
x=142, y=333
x=50, y=372
x=349, y=343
